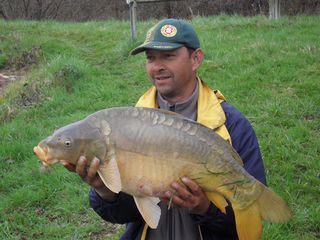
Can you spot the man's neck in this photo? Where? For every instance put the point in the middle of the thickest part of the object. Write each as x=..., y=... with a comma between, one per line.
x=188, y=107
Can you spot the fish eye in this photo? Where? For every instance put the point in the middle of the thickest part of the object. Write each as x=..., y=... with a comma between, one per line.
x=67, y=143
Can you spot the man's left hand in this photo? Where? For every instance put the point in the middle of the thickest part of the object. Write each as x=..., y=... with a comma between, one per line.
x=188, y=195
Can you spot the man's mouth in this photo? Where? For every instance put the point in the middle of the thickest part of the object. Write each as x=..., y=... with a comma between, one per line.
x=161, y=78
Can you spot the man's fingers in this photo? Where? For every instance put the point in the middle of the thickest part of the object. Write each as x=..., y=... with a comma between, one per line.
x=177, y=201
x=94, y=166
x=81, y=167
x=188, y=195
x=88, y=174
x=181, y=191
x=191, y=185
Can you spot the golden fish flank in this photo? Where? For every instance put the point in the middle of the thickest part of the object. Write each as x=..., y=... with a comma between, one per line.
x=143, y=150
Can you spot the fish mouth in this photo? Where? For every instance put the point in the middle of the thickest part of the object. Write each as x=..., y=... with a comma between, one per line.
x=43, y=155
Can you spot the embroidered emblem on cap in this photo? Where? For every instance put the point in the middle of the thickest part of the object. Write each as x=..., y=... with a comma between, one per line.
x=168, y=30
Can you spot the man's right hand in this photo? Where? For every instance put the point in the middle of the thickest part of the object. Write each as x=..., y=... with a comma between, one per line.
x=91, y=176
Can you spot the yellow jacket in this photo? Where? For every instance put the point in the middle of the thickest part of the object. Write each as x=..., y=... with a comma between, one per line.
x=210, y=112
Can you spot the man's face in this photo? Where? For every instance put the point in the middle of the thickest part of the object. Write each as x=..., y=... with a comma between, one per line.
x=173, y=72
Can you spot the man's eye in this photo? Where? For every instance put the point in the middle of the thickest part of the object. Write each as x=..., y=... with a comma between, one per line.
x=149, y=59
x=67, y=143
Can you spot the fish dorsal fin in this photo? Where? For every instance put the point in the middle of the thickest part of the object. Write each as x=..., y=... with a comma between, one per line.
x=218, y=200
x=110, y=175
x=149, y=210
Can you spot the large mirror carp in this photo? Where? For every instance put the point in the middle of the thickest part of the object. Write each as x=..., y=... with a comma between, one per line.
x=142, y=151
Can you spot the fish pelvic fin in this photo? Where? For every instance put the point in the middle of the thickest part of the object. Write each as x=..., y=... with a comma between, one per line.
x=149, y=210
x=272, y=207
x=248, y=222
x=110, y=175
x=218, y=200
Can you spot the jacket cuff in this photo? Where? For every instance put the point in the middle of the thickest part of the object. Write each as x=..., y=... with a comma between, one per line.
x=100, y=200
x=208, y=216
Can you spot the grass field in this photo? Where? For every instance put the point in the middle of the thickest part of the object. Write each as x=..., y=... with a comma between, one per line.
x=270, y=70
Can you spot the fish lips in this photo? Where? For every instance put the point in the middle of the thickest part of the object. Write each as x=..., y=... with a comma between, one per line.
x=42, y=154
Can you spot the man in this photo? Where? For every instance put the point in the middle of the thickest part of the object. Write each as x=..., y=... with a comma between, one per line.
x=173, y=55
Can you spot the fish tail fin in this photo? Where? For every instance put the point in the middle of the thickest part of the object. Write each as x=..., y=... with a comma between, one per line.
x=272, y=207
x=248, y=222
x=269, y=206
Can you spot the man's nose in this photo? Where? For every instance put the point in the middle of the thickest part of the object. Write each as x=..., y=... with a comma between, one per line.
x=158, y=65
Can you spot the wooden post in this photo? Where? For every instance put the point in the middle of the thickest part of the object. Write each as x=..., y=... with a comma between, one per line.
x=274, y=9
x=133, y=18
x=133, y=13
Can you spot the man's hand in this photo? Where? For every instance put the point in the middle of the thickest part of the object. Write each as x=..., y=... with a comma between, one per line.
x=187, y=195
x=91, y=176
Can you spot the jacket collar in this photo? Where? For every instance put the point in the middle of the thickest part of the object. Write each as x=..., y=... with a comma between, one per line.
x=210, y=112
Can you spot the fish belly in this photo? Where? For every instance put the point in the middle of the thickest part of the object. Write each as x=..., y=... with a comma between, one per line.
x=143, y=175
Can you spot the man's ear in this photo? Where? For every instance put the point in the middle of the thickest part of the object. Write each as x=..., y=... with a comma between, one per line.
x=197, y=57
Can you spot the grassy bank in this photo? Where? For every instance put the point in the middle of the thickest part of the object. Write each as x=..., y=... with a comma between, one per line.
x=270, y=70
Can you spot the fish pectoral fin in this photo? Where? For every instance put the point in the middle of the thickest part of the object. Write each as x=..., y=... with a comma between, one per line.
x=149, y=210
x=218, y=200
x=110, y=175
x=105, y=127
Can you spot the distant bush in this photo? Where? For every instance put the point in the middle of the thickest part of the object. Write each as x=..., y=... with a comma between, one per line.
x=84, y=10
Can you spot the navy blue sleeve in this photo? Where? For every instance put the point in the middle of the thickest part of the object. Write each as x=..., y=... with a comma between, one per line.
x=215, y=224
x=122, y=210
x=244, y=141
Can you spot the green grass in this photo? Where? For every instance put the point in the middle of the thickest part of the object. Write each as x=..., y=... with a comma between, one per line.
x=270, y=70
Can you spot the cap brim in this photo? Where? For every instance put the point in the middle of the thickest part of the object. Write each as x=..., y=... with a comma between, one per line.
x=161, y=46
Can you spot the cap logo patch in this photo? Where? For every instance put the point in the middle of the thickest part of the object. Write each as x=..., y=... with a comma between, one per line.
x=168, y=30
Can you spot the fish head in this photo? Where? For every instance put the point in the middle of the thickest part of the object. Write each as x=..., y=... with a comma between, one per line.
x=57, y=147
x=69, y=143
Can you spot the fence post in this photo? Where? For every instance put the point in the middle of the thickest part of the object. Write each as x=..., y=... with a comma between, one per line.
x=133, y=13
x=133, y=18
x=274, y=9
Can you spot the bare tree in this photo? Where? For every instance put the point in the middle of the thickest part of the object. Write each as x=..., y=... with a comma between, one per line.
x=30, y=9
x=84, y=10
x=3, y=11
x=26, y=6
x=45, y=9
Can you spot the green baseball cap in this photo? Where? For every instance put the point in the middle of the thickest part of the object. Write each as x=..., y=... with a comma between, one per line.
x=169, y=34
